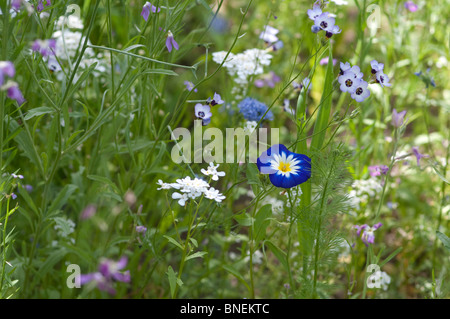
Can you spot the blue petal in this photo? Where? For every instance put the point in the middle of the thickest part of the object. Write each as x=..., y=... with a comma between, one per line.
x=303, y=174
x=263, y=161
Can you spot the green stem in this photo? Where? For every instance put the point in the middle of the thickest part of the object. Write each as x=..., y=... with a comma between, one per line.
x=388, y=174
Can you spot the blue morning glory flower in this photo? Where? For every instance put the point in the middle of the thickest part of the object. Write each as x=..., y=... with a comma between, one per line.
x=253, y=110
x=286, y=169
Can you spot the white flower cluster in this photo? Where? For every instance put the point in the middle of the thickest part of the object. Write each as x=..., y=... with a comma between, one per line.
x=194, y=188
x=68, y=43
x=362, y=191
x=296, y=193
x=243, y=65
x=382, y=278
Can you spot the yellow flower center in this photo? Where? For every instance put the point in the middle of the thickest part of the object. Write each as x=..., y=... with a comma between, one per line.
x=284, y=167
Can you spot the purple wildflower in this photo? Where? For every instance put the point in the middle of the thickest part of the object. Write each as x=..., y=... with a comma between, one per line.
x=170, y=41
x=269, y=80
x=147, y=8
x=15, y=4
x=13, y=92
x=40, y=6
x=324, y=61
x=398, y=118
x=368, y=236
x=327, y=23
x=377, y=170
x=141, y=229
x=418, y=155
x=382, y=79
x=314, y=12
x=108, y=272
x=376, y=66
x=88, y=212
x=6, y=68
x=344, y=67
x=14, y=196
x=411, y=6
x=216, y=100
x=189, y=86
x=44, y=47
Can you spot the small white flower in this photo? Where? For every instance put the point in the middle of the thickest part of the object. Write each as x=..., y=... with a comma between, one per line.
x=212, y=171
x=214, y=194
x=163, y=185
x=182, y=198
x=269, y=34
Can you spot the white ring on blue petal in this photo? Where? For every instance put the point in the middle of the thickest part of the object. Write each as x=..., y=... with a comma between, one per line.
x=286, y=169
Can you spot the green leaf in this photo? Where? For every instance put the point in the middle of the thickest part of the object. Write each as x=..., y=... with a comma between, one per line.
x=281, y=255
x=262, y=221
x=194, y=242
x=25, y=142
x=173, y=241
x=23, y=192
x=391, y=256
x=442, y=177
x=236, y=274
x=104, y=180
x=50, y=262
x=173, y=281
x=38, y=111
x=160, y=71
x=61, y=199
x=324, y=111
x=244, y=219
x=253, y=174
x=445, y=240
x=132, y=47
x=198, y=254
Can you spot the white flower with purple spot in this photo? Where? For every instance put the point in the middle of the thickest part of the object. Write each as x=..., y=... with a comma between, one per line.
x=348, y=82
x=361, y=91
x=202, y=111
x=382, y=79
x=376, y=66
x=314, y=12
